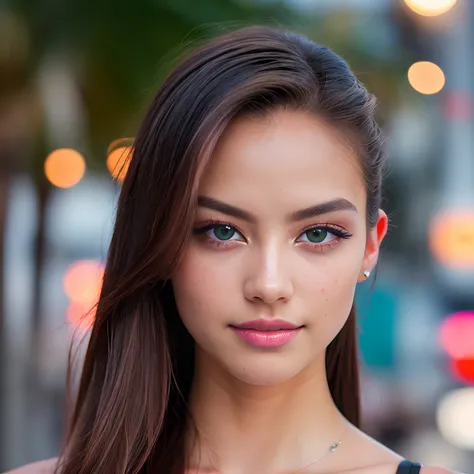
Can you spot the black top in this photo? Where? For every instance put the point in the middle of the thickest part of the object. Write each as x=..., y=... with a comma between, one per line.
x=408, y=467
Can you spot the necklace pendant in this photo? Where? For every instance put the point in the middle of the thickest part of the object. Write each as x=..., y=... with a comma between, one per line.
x=334, y=446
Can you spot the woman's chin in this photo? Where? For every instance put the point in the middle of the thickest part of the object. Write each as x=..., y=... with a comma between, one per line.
x=261, y=368
x=266, y=373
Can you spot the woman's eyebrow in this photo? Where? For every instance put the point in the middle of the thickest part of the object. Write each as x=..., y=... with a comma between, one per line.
x=337, y=204
x=219, y=206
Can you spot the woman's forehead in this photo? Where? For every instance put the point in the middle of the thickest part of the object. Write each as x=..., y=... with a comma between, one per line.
x=288, y=158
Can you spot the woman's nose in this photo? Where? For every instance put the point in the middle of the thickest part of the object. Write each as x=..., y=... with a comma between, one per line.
x=268, y=281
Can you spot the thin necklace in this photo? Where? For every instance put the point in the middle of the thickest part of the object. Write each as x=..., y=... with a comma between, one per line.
x=330, y=450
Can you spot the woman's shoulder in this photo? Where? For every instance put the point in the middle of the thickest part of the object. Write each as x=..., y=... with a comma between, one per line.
x=377, y=458
x=437, y=470
x=47, y=467
x=41, y=467
x=392, y=468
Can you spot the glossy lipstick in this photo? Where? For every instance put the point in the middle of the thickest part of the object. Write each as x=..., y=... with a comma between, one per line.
x=266, y=332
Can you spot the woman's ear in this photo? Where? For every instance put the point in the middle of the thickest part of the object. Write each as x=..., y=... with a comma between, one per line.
x=374, y=239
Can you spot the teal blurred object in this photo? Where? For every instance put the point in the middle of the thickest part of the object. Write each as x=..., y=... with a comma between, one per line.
x=376, y=314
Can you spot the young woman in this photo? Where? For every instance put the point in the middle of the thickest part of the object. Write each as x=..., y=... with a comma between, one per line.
x=225, y=336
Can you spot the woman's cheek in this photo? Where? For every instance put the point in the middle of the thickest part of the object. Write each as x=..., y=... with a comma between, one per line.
x=202, y=289
x=334, y=295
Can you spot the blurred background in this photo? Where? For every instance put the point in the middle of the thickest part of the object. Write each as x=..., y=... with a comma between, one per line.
x=75, y=80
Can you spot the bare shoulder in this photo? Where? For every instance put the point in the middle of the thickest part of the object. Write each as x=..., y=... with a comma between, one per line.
x=437, y=470
x=42, y=467
x=376, y=458
x=391, y=468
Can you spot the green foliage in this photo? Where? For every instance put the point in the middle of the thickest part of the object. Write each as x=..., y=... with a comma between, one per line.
x=121, y=50
x=370, y=44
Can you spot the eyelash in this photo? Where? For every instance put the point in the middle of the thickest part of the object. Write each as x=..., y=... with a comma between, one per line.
x=338, y=232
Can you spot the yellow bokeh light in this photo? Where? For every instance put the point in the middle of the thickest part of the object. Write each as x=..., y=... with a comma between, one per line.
x=426, y=78
x=430, y=7
x=83, y=281
x=64, y=167
x=118, y=161
x=451, y=238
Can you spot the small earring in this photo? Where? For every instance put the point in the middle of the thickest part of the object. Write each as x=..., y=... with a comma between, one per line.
x=367, y=274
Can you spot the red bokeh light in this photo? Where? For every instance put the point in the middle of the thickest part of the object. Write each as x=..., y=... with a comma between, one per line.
x=456, y=335
x=463, y=370
x=458, y=105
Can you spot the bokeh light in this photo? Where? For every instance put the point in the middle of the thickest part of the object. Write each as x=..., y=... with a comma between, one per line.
x=118, y=158
x=426, y=77
x=83, y=280
x=80, y=317
x=430, y=7
x=64, y=167
x=463, y=370
x=82, y=284
x=458, y=105
x=456, y=335
x=451, y=238
x=455, y=417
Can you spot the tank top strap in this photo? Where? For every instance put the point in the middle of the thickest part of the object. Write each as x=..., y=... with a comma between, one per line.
x=408, y=467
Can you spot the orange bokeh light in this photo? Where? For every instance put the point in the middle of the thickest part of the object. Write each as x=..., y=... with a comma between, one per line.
x=64, y=167
x=81, y=317
x=426, y=77
x=83, y=282
x=118, y=162
x=451, y=239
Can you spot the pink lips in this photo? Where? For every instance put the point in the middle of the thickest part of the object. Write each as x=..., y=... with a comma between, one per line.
x=266, y=332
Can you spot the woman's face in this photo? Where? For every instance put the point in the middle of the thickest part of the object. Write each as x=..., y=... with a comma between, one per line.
x=280, y=233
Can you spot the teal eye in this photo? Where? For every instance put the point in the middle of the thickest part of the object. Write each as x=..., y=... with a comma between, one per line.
x=223, y=232
x=316, y=235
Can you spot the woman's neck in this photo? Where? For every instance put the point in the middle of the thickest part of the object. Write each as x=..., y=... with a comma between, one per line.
x=246, y=428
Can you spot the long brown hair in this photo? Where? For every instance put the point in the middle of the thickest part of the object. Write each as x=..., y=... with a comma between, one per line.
x=130, y=411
